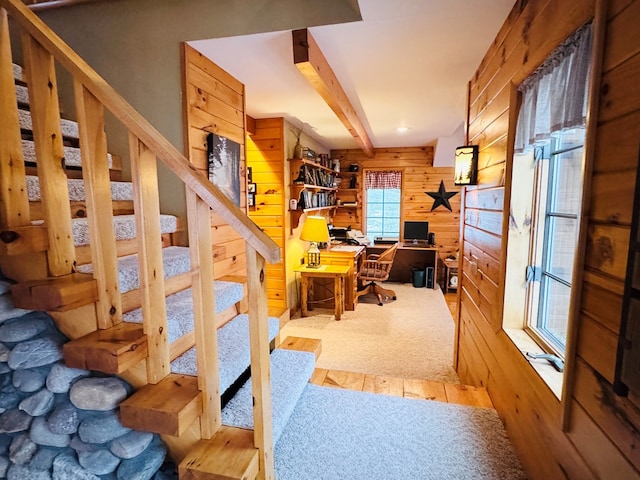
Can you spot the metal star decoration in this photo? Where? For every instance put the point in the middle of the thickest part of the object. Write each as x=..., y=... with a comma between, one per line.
x=441, y=197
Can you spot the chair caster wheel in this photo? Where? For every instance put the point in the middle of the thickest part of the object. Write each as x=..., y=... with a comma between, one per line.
x=395, y=298
x=380, y=304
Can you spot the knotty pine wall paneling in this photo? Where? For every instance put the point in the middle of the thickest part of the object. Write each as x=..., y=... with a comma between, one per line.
x=214, y=102
x=602, y=433
x=266, y=157
x=419, y=176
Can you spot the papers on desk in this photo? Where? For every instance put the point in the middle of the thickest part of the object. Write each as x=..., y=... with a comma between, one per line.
x=346, y=248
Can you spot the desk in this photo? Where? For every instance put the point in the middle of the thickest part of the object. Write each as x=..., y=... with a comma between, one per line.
x=409, y=257
x=337, y=272
x=351, y=256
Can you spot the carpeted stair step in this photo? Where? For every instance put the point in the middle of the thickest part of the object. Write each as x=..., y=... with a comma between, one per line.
x=175, y=261
x=120, y=191
x=234, y=352
x=229, y=455
x=124, y=228
x=68, y=128
x=112, y=350
x=72, y=155
x=290, y=374
x=148, y=405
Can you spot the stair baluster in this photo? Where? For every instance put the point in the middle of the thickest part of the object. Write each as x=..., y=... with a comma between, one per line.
x=14, y=203
x=199, y=218
x=95, y=172
x=47, y=136
x=260, y=364
x=146, y=203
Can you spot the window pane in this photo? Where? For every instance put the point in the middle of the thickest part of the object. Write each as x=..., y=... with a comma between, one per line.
x=392, y=195
x=561, y=247
x=391, y=210
x=554, y=311
x=568, y=182
x=374, y=195
x=374, y=210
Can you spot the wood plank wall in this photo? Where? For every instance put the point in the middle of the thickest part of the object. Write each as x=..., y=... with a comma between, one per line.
x=214, y=102
x=419, y=176
x=602, y=437
x=266, y=157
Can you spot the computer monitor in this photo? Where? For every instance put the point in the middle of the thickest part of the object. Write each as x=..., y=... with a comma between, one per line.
x=416, y=232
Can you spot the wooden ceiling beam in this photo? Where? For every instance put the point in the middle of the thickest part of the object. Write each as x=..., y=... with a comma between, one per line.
x=313, y=65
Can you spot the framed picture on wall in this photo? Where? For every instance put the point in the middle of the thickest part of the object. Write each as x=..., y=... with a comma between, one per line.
x=251, y=200
x=252, y=188
x=223, y=157
x=249, y=174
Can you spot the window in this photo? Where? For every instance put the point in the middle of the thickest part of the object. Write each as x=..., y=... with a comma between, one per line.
x=555, y=224
x=546, y=201
x=382, y=203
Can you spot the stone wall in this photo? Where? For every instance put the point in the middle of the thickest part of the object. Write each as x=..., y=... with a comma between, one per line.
x=62, y=423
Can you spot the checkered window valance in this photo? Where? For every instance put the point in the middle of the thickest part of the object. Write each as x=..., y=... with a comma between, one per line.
x=383, y=179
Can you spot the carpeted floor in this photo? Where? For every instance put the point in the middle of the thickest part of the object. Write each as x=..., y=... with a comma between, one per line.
x=411, y=337
x=337, y=434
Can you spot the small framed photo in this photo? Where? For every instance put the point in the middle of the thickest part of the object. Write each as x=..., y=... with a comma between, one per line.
x=249, y=174
x=252, y=188
x=251, y=200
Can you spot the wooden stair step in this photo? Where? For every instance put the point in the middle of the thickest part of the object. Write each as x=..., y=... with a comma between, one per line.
x=167, y=408
x=282, y=313
x=313, y=345
x=112, y=351
x=230, y=454
x=56, y=294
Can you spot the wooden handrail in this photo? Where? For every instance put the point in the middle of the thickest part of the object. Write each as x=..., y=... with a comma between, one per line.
x=143, y=130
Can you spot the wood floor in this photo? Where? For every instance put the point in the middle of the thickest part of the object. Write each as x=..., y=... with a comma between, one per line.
x=403, y=387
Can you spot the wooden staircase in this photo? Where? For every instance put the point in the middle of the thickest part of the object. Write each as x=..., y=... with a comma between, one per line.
x=47, y=217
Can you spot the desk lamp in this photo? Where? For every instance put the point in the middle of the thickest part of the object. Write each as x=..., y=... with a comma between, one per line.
x=314, y=230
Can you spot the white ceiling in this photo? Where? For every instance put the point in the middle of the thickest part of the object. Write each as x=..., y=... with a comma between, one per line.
x=407, y=63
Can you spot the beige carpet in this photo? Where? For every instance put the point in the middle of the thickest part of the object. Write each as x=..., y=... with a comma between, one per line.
x=411, y=337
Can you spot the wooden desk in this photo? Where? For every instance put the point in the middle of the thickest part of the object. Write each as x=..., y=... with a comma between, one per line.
x=409, y=257
x=351, y=256
x=337, y=272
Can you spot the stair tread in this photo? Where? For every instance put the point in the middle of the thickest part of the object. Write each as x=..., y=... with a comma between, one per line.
x=68, y=128
x=180, y=320
x=234, y=355
x=313, y=345
x=168, y=407
x=124, y=227
x=290, y=373
x=230, y=454
x=120, y=191
x=175, y=261
x=56, y=293
x=72, y=155
x=113, y=350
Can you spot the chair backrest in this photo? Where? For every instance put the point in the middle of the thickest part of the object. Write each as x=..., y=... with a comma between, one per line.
x=378, y=266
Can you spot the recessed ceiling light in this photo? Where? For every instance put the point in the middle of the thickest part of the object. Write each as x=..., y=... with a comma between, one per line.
x=402, y=129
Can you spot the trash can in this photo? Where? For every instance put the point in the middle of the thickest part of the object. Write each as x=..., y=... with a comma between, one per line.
x=417, y=275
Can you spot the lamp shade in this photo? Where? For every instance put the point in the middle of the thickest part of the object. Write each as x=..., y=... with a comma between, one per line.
x=315, y=230
x=466, y=165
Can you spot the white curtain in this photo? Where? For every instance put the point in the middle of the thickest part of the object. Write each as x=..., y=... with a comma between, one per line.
x=554, y=97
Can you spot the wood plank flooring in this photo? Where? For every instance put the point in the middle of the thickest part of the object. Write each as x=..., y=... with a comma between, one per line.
x=403, y=387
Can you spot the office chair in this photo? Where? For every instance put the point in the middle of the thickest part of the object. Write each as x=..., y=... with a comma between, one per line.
x=374, y=269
